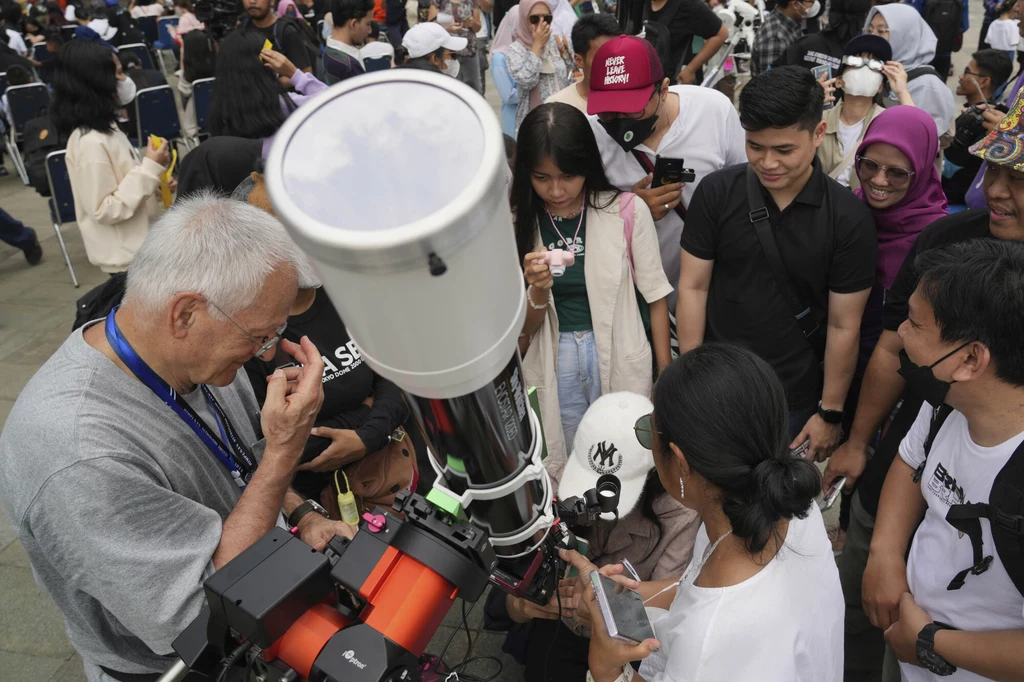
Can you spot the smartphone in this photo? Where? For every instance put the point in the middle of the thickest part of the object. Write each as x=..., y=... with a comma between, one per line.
x=826, y=71
x=668, y=170
x=832, y=494
x=801, y=450
x=623, y=610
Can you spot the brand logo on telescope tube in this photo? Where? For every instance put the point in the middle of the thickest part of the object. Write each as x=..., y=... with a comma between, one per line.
x=350, y=656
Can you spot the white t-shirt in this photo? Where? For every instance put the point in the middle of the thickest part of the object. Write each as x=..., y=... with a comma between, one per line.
x=571, y=96
x=959, y=471
x=784, y=624
x=16, y=42
x=1003, y=35
x=848, y=137
x=706, y=134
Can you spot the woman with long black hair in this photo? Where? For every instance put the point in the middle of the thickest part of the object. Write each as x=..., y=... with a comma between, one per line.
x=116, y=192
x=587, y=331
x=761, y=598
x=249, y=100
x=198, y=60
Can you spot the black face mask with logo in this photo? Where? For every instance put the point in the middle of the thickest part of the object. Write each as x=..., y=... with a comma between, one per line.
x=628, y=132
x=922, y=382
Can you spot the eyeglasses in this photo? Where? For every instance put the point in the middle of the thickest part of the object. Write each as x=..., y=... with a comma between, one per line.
x=535, y=18
x=857, y=62
x=634, y=116
x=644, y=429
x=968, y=72
x=872, y=31
x=266, y=343
x=897, y=177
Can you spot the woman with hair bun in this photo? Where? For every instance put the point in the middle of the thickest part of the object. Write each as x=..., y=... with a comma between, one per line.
x=761, y=598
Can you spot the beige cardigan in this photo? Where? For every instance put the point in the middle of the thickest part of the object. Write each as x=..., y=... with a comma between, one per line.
x=830, y=153
x=624, y=354
x=115, y=196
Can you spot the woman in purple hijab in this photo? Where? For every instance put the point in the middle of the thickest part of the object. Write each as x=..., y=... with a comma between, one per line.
x=900, y=184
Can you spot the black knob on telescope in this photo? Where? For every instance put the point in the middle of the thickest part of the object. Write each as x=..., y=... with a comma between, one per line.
x=437, y=266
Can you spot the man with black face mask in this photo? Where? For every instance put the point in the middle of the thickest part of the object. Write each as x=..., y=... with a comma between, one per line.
x=954, y=605
x=883, y=385
x=639, y=118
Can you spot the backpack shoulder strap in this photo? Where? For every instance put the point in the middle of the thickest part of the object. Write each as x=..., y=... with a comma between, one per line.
x=919, y=71
x=628, y=220
x=939, y=416
x=1005, y=512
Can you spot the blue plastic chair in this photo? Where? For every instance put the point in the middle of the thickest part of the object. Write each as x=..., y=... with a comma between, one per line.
x=157, y=114
x=140, y=50
x=41, y=54
x=24, y=102
x=61, y=201
x=202, y=95
x=149, y=29
x=164, y=41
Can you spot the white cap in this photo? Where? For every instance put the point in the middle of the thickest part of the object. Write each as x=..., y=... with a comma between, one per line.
x=606, y=444
x=422, y=39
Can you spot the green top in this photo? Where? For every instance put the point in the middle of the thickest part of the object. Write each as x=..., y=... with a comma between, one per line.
x=569, y=290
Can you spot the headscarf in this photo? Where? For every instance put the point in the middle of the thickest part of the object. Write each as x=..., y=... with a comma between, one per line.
x=564, y=18
x=913, y=132
x=219, y=163
x=282, y=8
x=506, y=33
x=524, y=36
x=913, y=41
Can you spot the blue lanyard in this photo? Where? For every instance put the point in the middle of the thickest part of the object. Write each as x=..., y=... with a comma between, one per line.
x=239, y=460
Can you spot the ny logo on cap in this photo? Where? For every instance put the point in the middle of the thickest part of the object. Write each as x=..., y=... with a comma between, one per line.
x=602, y=458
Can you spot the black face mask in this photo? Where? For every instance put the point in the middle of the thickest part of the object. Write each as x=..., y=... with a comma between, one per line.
x=628, y=132
x=922, y=382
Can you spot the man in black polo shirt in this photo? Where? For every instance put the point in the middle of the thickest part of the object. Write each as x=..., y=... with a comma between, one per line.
x=883, y=386
x=824, y=235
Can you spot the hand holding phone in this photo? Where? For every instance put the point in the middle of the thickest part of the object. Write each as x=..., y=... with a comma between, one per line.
x=832, y=494
x=623, y=610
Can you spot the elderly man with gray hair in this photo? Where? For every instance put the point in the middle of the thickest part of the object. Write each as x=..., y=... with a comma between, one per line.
x=129, y=464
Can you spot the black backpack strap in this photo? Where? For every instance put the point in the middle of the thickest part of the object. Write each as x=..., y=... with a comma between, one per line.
x=763, y=227
x=939, y=416
x=919, y=71
x=1005, y=512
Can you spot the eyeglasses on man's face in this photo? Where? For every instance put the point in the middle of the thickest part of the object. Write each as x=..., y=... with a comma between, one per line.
x=265, y=343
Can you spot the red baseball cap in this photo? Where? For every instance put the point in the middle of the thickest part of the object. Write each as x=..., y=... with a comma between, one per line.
x=624, y=74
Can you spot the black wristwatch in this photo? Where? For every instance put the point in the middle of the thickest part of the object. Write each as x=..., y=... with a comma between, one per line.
x=303, y=509
x=830, y=416
x=926, y=655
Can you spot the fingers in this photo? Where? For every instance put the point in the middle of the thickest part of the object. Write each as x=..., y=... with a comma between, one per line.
x=827, y=477
x=290, y=373
x=325, y=432
x=277, y=388
x=317, y=464
x=310, y=381
x=576, y=560
x=644, y=183
x=803, y=436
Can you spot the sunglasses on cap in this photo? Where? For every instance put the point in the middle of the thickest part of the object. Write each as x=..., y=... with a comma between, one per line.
x=856, y=62
x=644, y=430
x=897, y=177
x=535, y=18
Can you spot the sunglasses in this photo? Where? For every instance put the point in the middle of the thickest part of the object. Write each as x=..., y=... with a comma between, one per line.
x=535, y=18
x=644, y=430
x=897, y=177
x=857, y=62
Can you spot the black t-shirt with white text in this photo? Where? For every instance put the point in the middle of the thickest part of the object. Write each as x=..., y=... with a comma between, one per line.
x=827, y=240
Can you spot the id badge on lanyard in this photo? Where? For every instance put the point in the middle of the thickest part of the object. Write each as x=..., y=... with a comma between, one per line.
x=239, y=459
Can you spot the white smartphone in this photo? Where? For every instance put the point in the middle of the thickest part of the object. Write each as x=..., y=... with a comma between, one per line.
x=622, y=609
x=832, y=494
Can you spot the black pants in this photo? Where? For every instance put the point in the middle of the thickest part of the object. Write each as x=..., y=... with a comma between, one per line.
x=555, y=654
x=941, y=64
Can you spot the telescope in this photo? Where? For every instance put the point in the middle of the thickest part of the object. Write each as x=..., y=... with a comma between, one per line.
x=395, y=185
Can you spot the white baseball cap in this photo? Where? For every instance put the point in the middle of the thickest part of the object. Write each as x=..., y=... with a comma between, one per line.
x=606, y=443
x=422, y=39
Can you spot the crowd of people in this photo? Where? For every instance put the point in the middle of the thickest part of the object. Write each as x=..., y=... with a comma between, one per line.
x=826, y=269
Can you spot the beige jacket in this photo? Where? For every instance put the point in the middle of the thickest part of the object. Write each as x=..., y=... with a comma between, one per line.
x=830, y=152
x=624, y=355
x=115, y=196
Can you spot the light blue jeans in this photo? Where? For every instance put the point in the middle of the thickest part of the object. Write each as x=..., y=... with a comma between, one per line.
x=579, y=380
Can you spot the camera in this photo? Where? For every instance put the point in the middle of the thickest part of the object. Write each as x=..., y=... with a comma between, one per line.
x=970, y=125
x=219, y=16
x=557, y=260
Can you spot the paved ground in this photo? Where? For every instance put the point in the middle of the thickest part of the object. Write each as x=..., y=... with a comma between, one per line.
x=36, y=312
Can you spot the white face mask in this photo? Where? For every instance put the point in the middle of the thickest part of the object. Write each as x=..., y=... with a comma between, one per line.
x=813, y=11
x=451, y=67
x=861, y=82
x=125, y=92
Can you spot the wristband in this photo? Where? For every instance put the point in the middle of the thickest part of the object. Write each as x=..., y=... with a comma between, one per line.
x=625, y=676
x=529, y=299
